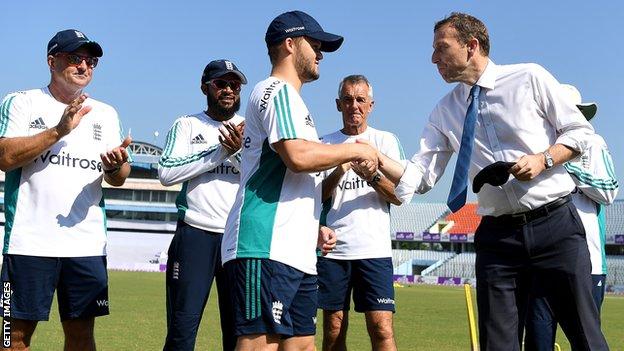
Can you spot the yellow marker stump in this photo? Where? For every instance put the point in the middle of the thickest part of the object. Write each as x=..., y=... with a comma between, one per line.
x=472, y=329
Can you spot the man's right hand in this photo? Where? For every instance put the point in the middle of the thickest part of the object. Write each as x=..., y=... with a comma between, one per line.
x=72, y=115
x=232, y=137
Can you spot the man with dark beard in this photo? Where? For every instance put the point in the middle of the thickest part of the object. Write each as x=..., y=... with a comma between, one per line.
x=202, y=152
x=272, y=231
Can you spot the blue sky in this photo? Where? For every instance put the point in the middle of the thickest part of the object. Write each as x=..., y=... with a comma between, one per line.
x=154, y=53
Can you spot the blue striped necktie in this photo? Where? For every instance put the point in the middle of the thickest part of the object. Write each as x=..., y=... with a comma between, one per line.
x=459, y=187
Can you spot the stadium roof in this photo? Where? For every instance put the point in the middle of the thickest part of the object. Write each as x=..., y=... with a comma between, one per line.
x=144, y=154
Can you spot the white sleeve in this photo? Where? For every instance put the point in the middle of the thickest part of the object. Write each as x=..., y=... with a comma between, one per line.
x=572, y=128
x=594, y=174
x=286, y=117
x=236, y=159
x=15, y=115
x=392, y=147
x=178, y=163
x=426, y=167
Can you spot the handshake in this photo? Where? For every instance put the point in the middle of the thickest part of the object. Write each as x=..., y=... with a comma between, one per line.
x=367, y=162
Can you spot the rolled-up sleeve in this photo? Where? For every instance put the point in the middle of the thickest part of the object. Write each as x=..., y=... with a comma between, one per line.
x=573, y=130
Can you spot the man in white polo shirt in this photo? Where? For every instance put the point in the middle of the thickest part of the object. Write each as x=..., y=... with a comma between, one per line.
x=56, y=146
x=271, y=233
x=356, y=205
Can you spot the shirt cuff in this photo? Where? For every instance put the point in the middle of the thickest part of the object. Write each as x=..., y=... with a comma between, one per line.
x=408, y=183
x=578, y=140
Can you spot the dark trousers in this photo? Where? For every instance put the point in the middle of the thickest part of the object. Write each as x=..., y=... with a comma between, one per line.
x=541, y=325
x=194, y=261
x=551, y=249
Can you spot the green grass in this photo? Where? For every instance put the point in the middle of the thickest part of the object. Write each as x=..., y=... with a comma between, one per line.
x=427, y=318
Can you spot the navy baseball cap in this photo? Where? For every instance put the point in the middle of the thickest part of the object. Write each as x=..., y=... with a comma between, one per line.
x=70, y=40
x=219, y=68
x=296, y=24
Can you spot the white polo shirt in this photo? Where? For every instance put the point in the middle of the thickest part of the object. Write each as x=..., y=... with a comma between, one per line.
x=276, y=211
x=54, y=205
x=359, y=216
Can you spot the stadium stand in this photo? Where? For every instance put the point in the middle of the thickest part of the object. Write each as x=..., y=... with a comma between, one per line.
x=461, y=265
x=401, y=256
x=615, y=218
x=415, y=217
x=615, y=270
x=466, y=220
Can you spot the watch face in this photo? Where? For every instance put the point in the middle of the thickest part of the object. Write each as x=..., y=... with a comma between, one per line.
x=549, y=160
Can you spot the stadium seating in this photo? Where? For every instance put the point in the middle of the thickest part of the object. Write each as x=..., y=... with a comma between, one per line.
x=461, y=265
x=466, y=220
x=615, y=218
x=401, y=256
x=416, y=217
x=615, y=270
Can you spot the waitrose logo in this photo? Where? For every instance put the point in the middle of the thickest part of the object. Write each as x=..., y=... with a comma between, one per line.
x=65, y=159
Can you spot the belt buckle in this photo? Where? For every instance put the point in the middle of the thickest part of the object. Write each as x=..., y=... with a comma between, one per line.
x=520, y=218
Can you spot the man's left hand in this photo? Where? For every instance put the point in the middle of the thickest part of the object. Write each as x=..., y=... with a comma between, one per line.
x=116, y=157
x=326, y=240
x=528, y=167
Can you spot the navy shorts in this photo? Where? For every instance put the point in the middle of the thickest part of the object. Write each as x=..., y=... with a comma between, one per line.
x=369, y=279
x=271, y=297
x=81, y=284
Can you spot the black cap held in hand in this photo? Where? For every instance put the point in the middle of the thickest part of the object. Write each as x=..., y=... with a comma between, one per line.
x=495, y=174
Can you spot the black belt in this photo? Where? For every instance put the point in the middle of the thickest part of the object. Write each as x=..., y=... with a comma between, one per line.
x=528, y=216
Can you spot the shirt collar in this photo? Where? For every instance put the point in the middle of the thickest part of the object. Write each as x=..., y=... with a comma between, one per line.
x=487, y=79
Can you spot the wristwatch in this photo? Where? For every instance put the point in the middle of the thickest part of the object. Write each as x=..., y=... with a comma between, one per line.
x=548, y=160
x=375, y=179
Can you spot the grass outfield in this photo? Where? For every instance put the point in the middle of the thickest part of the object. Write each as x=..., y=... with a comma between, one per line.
x=428, y=318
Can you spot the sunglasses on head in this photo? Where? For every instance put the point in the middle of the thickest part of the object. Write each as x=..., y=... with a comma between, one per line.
x=76, y=60
x=235, y=85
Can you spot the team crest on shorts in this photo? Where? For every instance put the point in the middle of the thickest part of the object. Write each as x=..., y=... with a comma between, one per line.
x=277, y=311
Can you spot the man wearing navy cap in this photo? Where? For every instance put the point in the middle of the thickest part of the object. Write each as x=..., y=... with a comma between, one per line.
x=55, y=232
x=273, y=228
x=202, y=152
